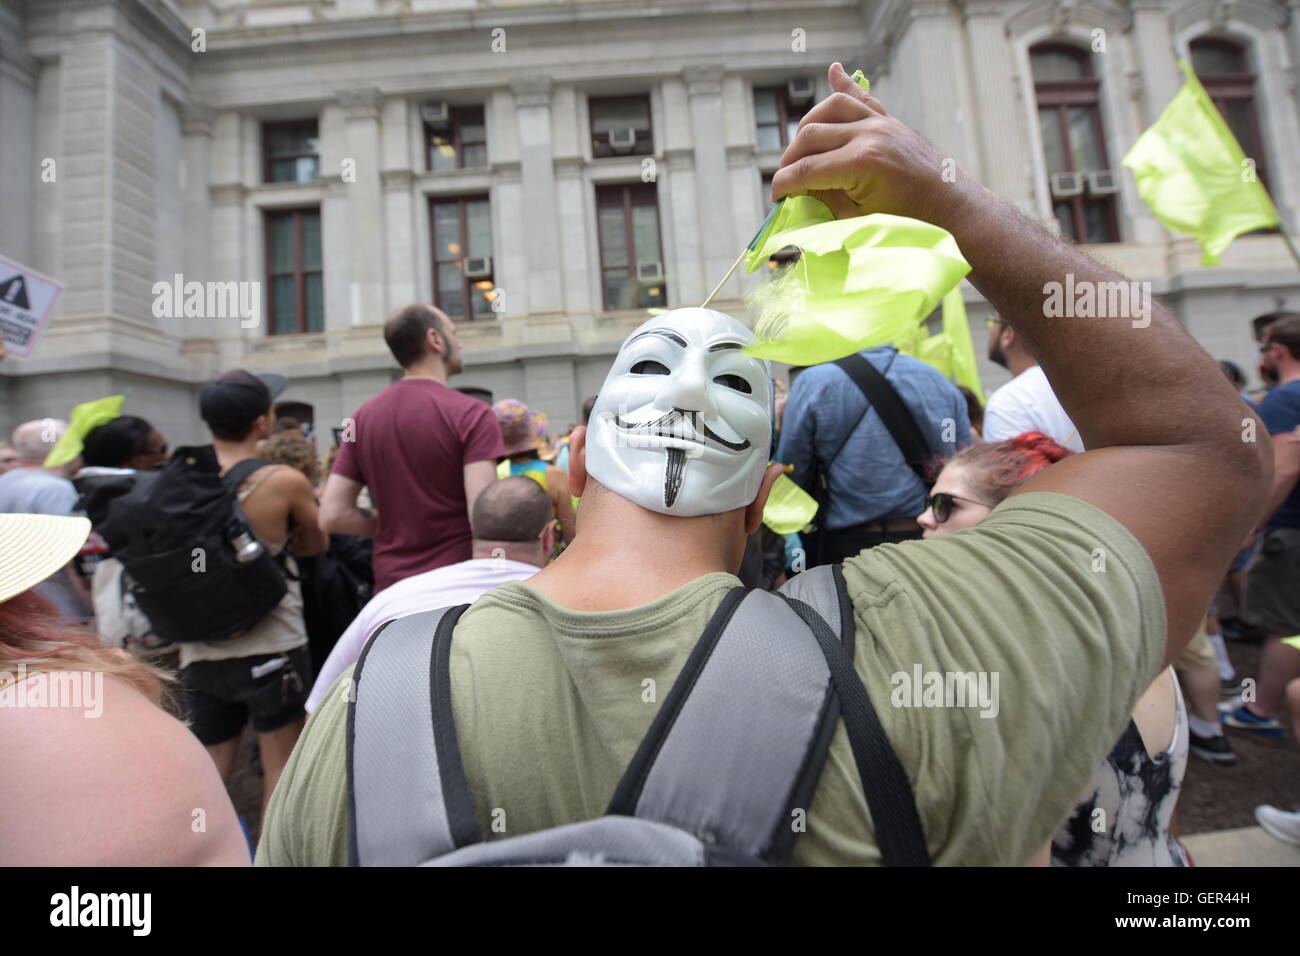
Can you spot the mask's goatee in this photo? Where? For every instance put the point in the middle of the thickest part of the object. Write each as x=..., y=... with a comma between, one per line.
x=673, y=472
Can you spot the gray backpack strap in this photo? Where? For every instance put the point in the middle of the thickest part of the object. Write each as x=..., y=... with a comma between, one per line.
x=407, y=797
x=739, y=742
x=822, y=589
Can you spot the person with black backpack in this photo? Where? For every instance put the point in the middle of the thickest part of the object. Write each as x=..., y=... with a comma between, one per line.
x=634, y=703
x=263, y=672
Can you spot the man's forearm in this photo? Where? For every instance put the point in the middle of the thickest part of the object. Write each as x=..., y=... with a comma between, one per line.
x=359, y=522
x=1126, y=379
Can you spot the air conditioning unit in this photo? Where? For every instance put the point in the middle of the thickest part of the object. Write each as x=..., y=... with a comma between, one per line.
x=435, y=113
x=479, y=267
x=622, y=140
x=1065, y=185
x=801, y=89
x=648, y=273
x=1102, y=182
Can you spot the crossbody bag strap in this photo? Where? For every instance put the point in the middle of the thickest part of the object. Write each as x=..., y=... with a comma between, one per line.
x=895, y=415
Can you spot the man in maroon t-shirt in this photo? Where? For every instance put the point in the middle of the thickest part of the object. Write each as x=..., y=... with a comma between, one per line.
x=424, y=450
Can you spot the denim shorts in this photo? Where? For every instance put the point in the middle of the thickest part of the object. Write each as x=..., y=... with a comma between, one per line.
x=221, y=696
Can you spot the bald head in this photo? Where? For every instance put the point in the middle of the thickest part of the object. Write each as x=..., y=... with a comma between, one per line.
x=512, y=509
x=510, y=519
x=33, y=440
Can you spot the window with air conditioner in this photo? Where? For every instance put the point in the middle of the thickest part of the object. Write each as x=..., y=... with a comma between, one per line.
x=1067, y=92
x=631, y=255
x=620, y=126
x=456, y=141
x=464, y=283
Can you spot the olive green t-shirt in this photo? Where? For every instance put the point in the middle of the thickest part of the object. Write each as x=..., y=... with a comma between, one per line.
x=1049, y=593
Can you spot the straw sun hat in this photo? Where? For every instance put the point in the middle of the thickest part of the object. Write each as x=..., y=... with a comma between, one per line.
x=32, y=547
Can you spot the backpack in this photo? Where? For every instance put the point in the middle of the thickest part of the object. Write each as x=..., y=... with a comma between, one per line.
x=176, y=532
x=336, y=585
x=723, y=777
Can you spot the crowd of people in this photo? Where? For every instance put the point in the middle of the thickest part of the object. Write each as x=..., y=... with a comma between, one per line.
x=1085, y=542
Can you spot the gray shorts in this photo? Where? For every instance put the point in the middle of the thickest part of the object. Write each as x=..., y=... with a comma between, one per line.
x=1273, y=582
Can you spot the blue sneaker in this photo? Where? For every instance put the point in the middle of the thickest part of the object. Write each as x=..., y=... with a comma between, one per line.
x=1243, y=719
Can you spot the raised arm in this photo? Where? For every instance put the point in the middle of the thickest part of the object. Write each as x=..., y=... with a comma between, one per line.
x=1167, y=456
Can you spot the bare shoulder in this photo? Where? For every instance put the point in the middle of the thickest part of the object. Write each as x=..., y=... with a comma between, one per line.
x=287, y=480
x=109, y=779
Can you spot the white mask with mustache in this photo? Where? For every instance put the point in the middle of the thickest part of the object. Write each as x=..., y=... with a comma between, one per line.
x=682, y=424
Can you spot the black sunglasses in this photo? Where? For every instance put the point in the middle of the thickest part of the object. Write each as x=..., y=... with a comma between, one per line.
x=942, y=501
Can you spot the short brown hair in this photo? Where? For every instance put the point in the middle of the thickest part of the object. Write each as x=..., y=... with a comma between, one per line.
x=1260, y=323
x=1285, y=332
x=405, y=332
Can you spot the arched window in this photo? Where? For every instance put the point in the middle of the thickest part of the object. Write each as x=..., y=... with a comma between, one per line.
x=1074, y=148
x=1223, y=70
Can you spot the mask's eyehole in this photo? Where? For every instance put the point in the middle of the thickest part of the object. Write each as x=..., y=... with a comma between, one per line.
x=734, y=381
x=649, y=367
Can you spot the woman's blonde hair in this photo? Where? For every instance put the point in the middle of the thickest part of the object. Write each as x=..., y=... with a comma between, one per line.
x=32, y=635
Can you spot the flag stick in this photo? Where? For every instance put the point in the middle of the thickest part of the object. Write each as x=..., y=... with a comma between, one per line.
x=1290, y=244
x=771, y=214
x=730, y=272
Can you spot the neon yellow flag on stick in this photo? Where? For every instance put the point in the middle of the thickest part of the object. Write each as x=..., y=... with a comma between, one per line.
x=85, y=417
x=789, y=508
x=858, y=282
x=1195, y=177
x=952, y=351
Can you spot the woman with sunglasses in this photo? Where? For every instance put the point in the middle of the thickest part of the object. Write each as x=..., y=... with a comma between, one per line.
x=1123, y=817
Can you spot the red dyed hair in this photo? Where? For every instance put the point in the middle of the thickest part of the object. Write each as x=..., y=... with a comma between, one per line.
x=995, y=469
x=32, y=634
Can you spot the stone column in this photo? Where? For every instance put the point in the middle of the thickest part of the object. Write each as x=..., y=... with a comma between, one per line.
x=397, y=180
x=22, y=176
x=538, y=194
x=1005, y=165
x=358, y=175
x=1160, y=77
x=197, y=130
x=714, y=221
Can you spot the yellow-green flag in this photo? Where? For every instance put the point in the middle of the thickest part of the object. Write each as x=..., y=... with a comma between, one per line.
x=952, y=351
x=1193, y=174
x=858, y=282
x=789, y=508
x=85, y=418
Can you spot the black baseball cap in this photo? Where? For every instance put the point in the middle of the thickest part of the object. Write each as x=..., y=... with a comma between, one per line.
x=233, y=399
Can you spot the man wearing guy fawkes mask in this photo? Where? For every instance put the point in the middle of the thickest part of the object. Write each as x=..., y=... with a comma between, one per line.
x=555, y=681
x=682, y=424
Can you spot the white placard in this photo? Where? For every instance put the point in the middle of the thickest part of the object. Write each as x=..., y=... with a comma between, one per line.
x=26, y=300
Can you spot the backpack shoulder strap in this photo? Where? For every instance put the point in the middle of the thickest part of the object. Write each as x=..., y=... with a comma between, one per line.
x=819, y=600
x=738, y=744
x=408, y=800
x=893, y=412
x=240, y=471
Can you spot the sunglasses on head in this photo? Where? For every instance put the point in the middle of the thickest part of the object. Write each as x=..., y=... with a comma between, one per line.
x=942, y=501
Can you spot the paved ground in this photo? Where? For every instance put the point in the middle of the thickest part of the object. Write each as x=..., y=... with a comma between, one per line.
x=1216, y=797
x=1248, y=846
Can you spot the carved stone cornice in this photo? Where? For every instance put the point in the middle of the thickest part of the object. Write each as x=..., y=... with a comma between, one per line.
x=703, y=80
x=197, y=119
x=360, y=104
x=396, y=180
x=228, y=194
x=531, y=92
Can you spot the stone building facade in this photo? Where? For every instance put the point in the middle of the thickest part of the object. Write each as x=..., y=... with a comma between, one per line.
x=555, y=168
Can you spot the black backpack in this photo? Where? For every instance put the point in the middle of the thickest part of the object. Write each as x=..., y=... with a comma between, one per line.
x=180, y=535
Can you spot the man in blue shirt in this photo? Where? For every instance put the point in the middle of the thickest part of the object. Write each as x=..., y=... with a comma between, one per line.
x=1273, y=577
x=874, y=496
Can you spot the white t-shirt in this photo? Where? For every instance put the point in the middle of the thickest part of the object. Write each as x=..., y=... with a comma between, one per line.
x=462, y=583
x=1028, y=404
